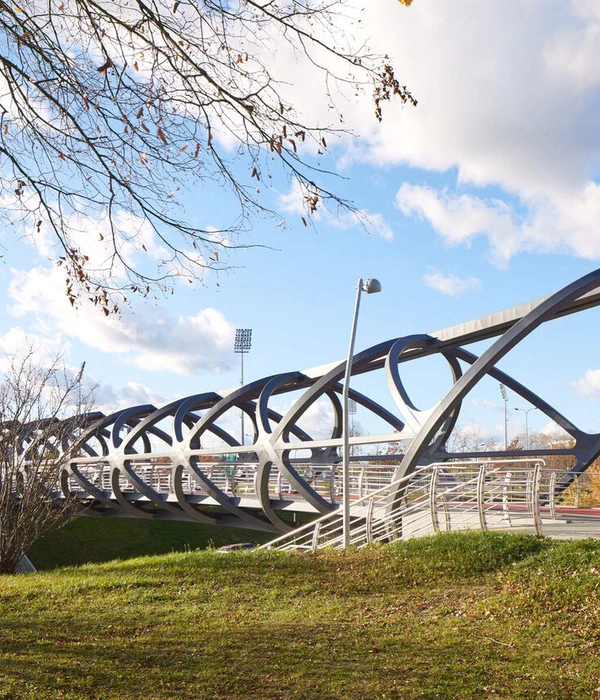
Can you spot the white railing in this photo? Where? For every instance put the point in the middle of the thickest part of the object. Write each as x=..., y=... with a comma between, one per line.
x=520, y=494
x=326, y=480
x=488, y=494
x=233, y=478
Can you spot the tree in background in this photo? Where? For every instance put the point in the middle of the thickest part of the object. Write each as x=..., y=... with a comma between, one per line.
x=109, y=109
x=36, y=440
x=470, y=439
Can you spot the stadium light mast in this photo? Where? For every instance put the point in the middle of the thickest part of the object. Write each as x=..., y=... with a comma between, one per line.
x=242, y=345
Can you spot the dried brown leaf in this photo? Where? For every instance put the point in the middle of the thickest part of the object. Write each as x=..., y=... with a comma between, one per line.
x=105, y=66
x=161, y=136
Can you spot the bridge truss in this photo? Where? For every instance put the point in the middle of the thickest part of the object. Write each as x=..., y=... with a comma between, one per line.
x=161, y=461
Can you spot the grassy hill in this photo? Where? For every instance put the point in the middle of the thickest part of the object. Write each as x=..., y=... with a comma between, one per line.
x=468, y=615
x=93, y=540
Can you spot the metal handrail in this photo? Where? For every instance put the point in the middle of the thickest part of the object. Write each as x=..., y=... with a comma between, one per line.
x=363, y=529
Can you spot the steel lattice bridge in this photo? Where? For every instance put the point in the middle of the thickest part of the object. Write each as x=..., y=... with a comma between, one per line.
x=161, y=461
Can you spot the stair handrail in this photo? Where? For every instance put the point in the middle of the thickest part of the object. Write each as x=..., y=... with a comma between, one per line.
x=304, y=529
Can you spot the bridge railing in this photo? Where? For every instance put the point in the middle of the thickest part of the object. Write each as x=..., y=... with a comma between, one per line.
x=519, y=494
x=326, y=480
x=237, y=478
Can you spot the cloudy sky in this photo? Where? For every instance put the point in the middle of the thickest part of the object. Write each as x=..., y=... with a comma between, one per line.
x=485, y=195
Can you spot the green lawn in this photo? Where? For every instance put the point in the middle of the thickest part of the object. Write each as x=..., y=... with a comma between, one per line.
x=88, y=539
x=467, y=615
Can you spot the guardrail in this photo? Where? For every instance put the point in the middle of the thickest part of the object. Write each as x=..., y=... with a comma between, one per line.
x=519, y=494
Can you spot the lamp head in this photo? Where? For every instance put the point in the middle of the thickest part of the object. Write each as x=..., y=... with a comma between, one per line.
x=243, y=340
x=372, y=286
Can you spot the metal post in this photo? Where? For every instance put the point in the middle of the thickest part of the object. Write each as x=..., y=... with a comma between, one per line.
x=505, y=398
x=526, y=412
x=481, y=497
x=537, y=516
x=371, y=286
x=79, y=380
x=432, y=499
x=346, y=441
x=352, y=409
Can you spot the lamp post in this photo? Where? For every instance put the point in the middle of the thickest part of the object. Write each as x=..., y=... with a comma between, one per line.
x=79, y=379
x=242, y=345
x=526, y=412
x=505, y=398
x=371, y=286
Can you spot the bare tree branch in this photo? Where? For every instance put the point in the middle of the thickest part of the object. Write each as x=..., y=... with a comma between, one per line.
x=42, y=414
x=114, y=108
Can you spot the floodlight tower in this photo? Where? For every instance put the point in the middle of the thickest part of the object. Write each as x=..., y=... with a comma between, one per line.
x=242, y=345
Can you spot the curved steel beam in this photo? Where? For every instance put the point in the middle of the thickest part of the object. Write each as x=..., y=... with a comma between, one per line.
x=171, y=459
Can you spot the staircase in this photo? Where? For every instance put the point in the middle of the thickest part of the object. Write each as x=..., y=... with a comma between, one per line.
x=518, y=495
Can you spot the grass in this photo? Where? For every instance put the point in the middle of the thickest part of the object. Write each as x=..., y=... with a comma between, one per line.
x=468, y=615
x=93, y=540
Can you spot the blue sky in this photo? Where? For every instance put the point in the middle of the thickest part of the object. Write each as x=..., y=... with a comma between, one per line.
x=484, y=196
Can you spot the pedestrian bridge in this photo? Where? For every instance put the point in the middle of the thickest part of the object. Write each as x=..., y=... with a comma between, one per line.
x=182, y=460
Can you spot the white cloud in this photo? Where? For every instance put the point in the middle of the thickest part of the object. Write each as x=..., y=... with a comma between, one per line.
x=317, y=421
x=553, y=431
x=459, y=219
x=508, y=107
x=588, y=386
x=295, y=202
x=107, y=399
x=93, y=235
x=561, y=225
x=372, y=223
x=450, y=284
x=508, y=99
x=375, y=223
x=489, y=405
x=492, y=103
x=147, y=336
x=17, y=342
x=574, y=53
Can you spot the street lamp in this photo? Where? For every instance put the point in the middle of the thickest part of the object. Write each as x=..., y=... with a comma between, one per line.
x=242, y=345
x=505, y=397
x=526, y=412
x=79, y=380
x=371, y=286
